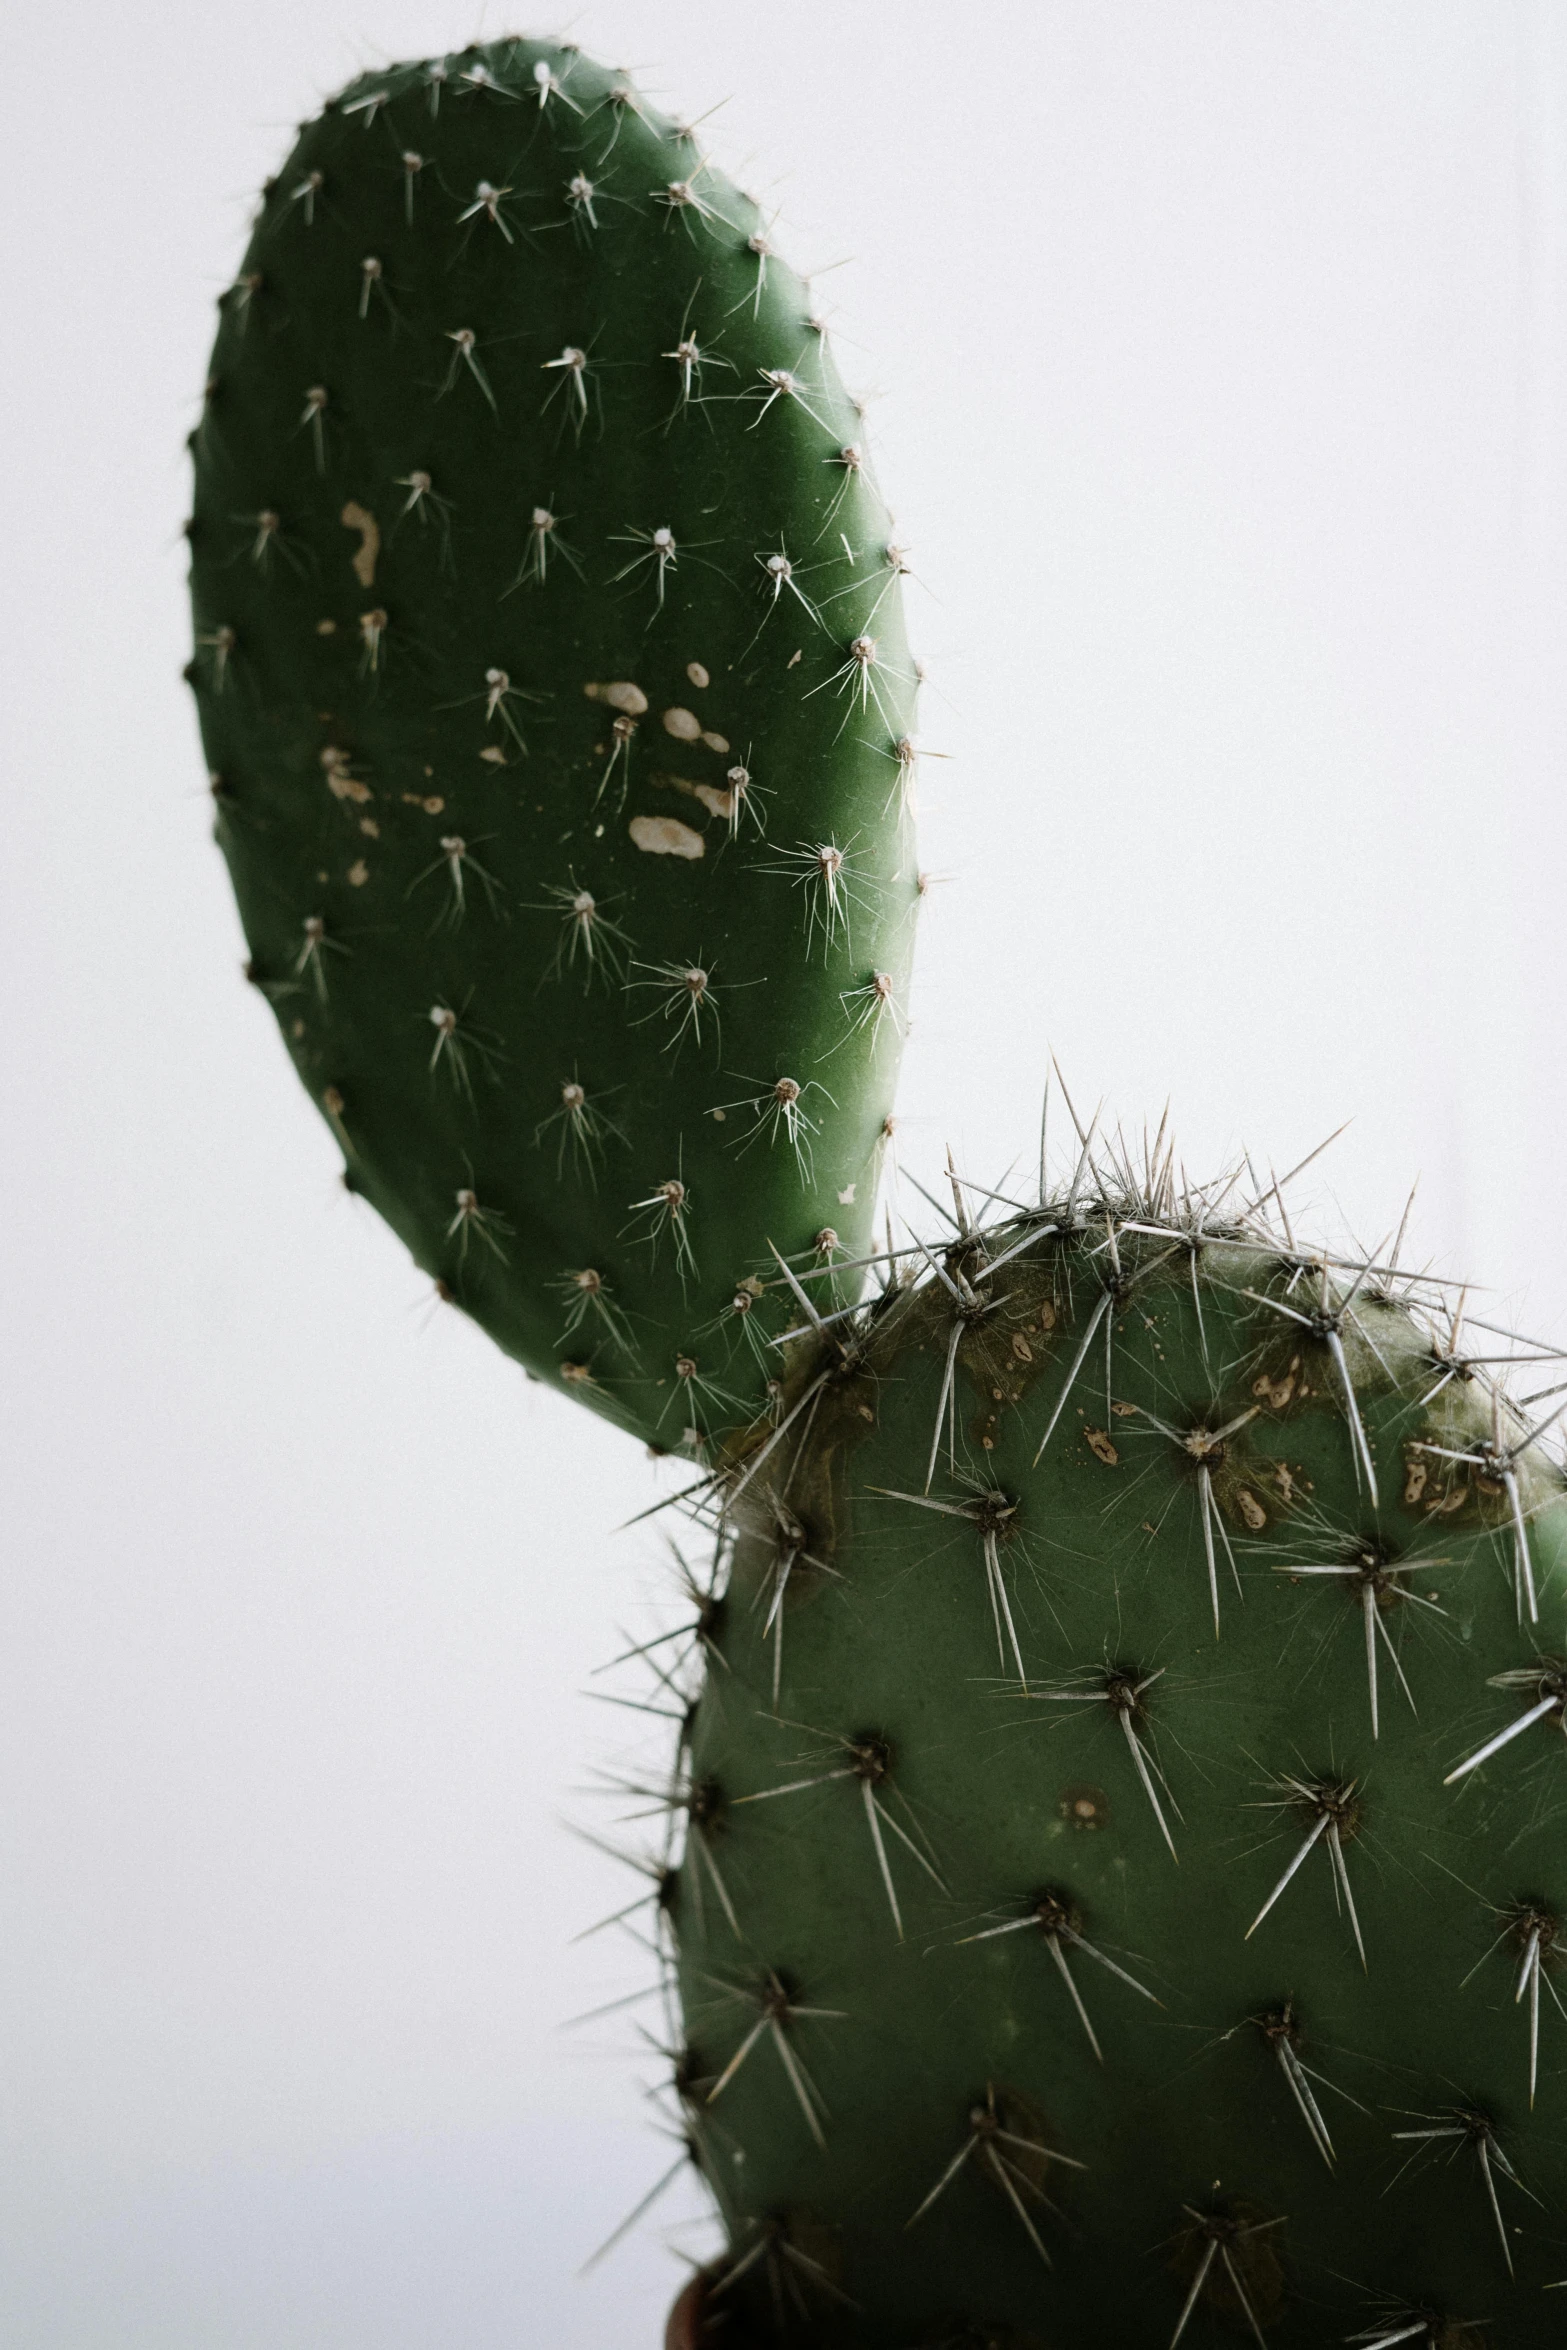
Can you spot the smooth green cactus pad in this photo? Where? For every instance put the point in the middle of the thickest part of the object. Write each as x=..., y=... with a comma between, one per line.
x=552, y=677
x=1115, y=1879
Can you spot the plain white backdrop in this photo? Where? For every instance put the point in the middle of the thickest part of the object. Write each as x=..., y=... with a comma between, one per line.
x=1222, y=353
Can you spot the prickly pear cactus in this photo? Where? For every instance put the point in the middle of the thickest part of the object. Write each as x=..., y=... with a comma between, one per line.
x=1124, y=1892
x=1117, y=1875
x=552, y=677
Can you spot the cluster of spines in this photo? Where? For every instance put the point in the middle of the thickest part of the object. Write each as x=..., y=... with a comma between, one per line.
x=1220, y=2251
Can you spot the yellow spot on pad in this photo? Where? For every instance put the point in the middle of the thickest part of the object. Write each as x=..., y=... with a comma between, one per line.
x=715, y=742
x=684, y=725
x=666, y=836
x=357, y=517
x=359, y=873
x=620, y=695
x=846, y=1198
x=697, y=674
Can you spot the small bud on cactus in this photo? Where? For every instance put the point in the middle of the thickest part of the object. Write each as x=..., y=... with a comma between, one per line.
x=1117, y=1876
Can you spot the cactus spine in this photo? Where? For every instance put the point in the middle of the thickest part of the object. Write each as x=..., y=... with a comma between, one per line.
x=1115, y=1879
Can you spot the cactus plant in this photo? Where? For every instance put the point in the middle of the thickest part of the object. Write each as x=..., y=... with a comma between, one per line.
x=1114, y=1876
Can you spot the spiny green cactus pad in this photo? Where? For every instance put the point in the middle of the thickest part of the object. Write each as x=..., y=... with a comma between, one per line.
x=1125, y=1878
x=551, y=672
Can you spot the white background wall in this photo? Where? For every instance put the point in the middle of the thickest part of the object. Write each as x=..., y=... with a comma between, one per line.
x=1224, y=350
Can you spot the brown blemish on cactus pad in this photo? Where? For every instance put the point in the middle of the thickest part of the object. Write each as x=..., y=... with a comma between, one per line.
x=686, y=727
x=339, y=782
x=1278, y=1392
x=1084, y=1808
x=666, y=836
x=620, y=695
x=357, y=517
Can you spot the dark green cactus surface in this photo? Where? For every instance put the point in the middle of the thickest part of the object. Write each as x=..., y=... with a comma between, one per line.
x=551, y=672
x=1097, y=1924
